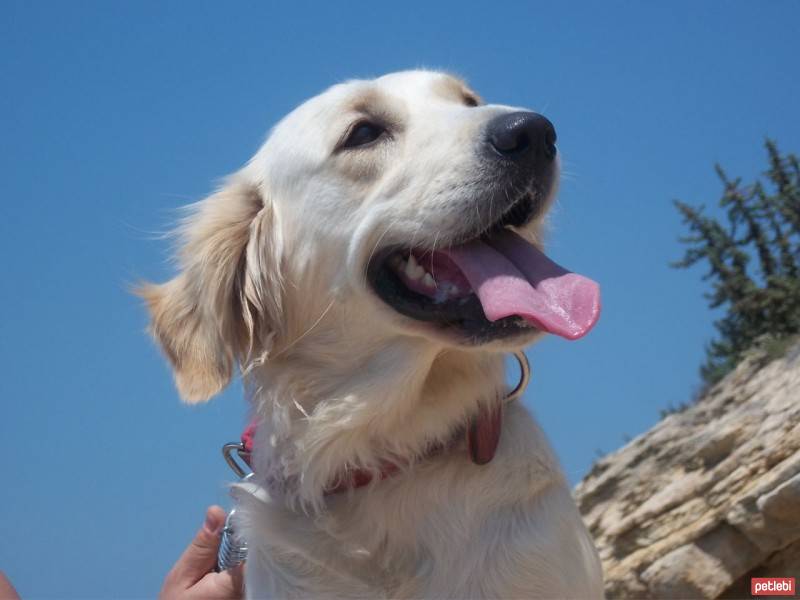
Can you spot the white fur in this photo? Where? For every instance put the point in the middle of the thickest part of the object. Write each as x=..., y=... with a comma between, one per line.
x=273, y=278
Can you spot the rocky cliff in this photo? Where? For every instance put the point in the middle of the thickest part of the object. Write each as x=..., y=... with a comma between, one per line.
x=707, y=498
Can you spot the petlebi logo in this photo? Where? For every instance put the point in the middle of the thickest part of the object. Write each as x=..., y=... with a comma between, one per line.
x=772, y=586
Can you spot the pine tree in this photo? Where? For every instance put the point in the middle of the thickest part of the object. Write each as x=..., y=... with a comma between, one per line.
x=753, y=261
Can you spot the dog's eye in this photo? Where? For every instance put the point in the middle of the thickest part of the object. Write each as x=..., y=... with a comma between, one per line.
x=470, y=100
x=362, y=134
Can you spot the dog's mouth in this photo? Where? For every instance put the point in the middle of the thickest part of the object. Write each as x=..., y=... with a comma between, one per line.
x=495, y=285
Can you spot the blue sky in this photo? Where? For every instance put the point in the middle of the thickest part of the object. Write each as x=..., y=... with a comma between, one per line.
x=115, y=114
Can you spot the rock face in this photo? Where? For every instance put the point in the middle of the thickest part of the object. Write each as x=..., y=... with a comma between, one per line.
x=707, y=498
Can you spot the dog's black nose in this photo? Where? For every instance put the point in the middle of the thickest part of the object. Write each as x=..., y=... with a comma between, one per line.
x=522, y=136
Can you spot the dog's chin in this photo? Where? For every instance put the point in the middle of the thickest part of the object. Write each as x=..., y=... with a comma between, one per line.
x=434, y=300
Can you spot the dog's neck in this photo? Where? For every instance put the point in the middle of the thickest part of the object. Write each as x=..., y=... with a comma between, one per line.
x=321, y=412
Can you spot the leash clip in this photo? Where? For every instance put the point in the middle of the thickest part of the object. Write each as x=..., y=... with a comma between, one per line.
x=236, y=455
x=232, y=550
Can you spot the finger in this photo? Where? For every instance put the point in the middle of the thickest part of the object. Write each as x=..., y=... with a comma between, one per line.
x=227, y=585
x=201, y=555
x=7, y=591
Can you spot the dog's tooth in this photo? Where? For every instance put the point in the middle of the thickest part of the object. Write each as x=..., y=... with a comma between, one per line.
x=410, y=267
x=428, y=280
x=413, y=270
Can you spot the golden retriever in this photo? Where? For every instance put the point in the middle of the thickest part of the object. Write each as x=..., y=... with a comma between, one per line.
x=366, y=270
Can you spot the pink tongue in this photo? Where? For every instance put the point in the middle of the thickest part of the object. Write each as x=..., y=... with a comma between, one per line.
x=512, y=277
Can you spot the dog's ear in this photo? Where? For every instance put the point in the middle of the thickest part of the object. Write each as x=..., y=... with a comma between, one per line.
x=226, y=299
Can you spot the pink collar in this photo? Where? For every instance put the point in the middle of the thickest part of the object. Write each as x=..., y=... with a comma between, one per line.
x=483, y=436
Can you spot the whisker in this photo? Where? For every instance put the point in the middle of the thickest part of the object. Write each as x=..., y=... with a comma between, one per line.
x=378, y=241
x=433, y=251
x=307, y=331
x=419, y=227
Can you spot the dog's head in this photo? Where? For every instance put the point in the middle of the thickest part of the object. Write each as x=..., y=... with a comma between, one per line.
x=400, y=206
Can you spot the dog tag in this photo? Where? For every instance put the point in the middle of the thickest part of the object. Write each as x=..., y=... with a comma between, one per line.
x=483, y=434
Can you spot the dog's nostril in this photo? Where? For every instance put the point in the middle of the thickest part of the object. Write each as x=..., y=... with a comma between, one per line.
x=522, y=143
x=508, y=135
x=518, y=134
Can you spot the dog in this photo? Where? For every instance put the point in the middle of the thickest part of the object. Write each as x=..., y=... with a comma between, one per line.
x=367, y=270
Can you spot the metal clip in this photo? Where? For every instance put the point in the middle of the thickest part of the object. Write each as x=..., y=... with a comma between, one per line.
x=232, y=550
x=228, y=453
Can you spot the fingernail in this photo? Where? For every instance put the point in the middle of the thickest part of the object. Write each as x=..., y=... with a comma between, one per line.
x=211, y=525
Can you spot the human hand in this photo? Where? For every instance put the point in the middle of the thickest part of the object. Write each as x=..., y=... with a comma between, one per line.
x=7, y=591
x=193, y=576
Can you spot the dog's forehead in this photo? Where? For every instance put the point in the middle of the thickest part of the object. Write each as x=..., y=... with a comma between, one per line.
x=306, y=133
x=412, y=88
x=406, y=86
x=423, y=85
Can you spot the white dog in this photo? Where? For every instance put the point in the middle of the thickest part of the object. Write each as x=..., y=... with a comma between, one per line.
x=366, y=270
